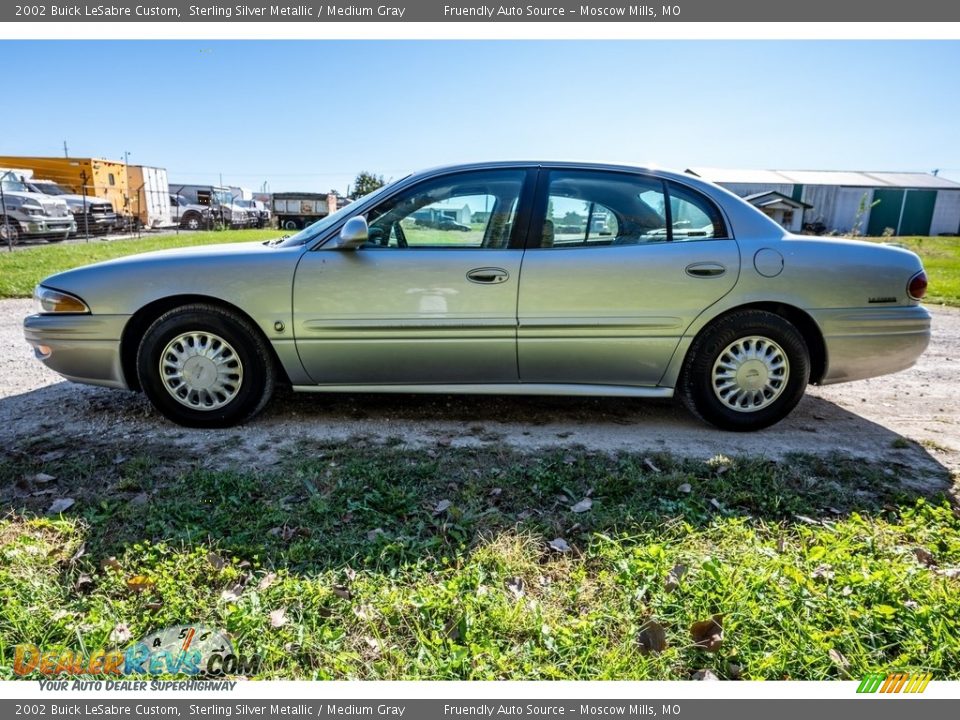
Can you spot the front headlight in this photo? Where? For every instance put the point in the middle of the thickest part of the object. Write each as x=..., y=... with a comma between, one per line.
x=32, y=209
x=49, y=300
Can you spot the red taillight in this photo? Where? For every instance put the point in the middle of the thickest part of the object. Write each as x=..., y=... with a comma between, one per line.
x=917, y=287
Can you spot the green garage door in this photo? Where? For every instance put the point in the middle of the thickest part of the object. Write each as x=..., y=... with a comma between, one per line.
x=915, y=219
x=886, y=214
x=918, y=212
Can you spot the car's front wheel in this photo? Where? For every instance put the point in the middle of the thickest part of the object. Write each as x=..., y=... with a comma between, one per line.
x=746, y=371
x=205, y=366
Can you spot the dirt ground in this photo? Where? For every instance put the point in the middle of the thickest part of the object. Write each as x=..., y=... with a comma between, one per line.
x=911, y=419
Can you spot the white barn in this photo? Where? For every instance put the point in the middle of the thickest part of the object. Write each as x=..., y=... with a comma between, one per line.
x=839, y=200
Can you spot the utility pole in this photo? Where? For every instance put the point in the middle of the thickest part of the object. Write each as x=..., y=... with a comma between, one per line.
x=65, y=153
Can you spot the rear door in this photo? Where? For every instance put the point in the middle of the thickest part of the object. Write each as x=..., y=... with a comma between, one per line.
x=431, y=298
x=617, y=267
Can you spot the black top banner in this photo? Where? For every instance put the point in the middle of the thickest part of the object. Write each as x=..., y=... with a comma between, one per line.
x=438, y=11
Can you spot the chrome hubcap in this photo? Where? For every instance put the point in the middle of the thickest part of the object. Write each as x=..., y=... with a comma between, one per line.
x=750, y=373
x=201, y=370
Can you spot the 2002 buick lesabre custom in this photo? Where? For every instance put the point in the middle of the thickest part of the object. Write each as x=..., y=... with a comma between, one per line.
x=570, y=279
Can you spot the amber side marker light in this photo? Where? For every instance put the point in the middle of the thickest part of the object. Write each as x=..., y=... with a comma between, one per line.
x=56, y=301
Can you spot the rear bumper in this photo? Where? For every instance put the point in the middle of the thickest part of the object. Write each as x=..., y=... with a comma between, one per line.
x=81, y=348
x=867, y=342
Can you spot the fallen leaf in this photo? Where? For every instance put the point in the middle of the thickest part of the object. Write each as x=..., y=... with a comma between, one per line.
x=672, y=581
x=119, y=459
x=649, y=463
x=42, y=478
x=837, y=658
x=515, y=586
x=51, y=456
x=496, y=492
x=84, y=583
x=154, y=605
x=81, y=551
x=950, y=573
x=111, y=563
x=266, y=581
x=232, y=593
x=60, y=505
x=823, y=572
x=704, y=675
x=278, y=617
x=140, y=499
x=216, y=561
x=686, y=489
x=40, y=493
x=734, y=671
x=582, y=506
x=708, y=634
x=374, y=534
x=807, y=520
x=560, y=545
x=364, y=612
x=716, y=504
x=442, y=507
x=924, y=556
x=653, y=637
x=139, y=583
x=781, y=544
x=120, y=634
x=341, y=592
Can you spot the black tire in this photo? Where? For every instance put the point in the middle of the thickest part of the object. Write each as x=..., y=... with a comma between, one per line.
x=191, y=221
x=291, y=225
x=9, y=231
x=701, y=392
x=257, y=376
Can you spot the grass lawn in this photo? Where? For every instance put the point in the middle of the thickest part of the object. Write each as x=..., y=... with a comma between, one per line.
x=374, y=562
x=21, y=270
x=941, y=259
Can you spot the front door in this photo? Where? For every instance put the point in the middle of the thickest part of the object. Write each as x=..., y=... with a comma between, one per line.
x=618, y=267
x=430, y=299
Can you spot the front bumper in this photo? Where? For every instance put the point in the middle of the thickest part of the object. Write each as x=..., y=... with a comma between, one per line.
x=81, y=348
x=96, y=221
x=49, y=226
x=867, y=342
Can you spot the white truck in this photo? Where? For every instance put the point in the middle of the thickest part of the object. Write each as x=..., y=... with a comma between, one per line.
x=93, y=215
x=25, y=214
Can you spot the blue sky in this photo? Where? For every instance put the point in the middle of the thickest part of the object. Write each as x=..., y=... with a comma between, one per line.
x=309, y=115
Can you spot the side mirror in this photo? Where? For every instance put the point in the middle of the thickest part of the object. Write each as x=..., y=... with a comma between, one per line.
x=353, y=234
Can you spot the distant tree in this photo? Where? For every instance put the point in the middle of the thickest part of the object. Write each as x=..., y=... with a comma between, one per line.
x=366, y=183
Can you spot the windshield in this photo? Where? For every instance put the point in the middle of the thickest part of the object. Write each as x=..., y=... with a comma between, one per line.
x=48, y=188
x=323, y=224
x=11, y=184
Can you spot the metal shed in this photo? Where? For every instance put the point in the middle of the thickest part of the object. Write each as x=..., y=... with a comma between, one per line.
x=867, y=203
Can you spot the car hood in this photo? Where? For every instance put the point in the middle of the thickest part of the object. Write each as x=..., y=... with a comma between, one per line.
x=162, y=260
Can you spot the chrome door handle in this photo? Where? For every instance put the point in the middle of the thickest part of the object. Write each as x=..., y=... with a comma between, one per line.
x=488, y=275
x=705, y=269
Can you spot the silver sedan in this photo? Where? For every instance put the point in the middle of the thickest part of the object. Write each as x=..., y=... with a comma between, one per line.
x=524, y=278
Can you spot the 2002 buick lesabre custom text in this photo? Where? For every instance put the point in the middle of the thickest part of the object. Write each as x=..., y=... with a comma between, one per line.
x=560, y=278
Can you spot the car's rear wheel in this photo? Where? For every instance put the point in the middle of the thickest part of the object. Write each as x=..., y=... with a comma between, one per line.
x=205, y=366
x=746, y=371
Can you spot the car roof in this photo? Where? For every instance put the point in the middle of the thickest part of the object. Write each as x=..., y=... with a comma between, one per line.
x=575, y=164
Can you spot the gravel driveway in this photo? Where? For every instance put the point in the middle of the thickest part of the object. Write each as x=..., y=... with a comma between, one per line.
x=911, y=419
